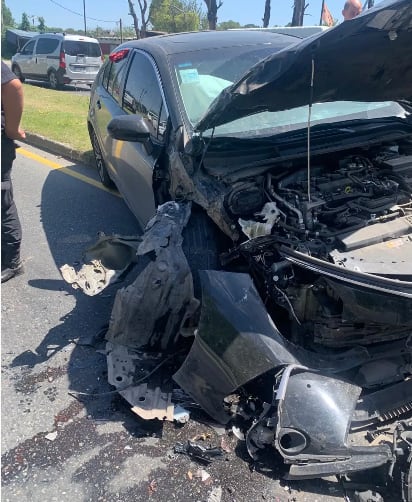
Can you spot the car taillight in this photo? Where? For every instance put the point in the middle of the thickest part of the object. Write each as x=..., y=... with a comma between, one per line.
x=62, y=61
x=118, y=55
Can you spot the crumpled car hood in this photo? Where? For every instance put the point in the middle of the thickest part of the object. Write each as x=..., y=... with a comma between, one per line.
x=365, y=59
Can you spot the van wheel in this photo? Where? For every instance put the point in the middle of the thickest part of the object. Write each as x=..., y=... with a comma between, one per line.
x=100, y=163
x=53, y=80
x=16, y=70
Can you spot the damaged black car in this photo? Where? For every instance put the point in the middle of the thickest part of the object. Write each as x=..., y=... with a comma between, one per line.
x=278, y=289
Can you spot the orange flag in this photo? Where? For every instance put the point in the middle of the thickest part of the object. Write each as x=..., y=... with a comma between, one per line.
x=326, y=15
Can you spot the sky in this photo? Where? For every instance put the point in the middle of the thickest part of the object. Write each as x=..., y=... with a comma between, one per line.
x=107, y=13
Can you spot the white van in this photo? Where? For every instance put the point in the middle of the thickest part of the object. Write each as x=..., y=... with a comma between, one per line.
x=58, y=59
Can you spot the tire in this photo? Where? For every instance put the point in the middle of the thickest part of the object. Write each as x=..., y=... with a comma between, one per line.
x=53, y=80
x=201, y=246
x=17, y=71
x=100, y=163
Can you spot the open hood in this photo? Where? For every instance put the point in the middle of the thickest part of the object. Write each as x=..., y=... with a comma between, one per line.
x=368, y=58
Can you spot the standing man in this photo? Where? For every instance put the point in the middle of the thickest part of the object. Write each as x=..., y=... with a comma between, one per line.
x=351, y=9
x=11, y=112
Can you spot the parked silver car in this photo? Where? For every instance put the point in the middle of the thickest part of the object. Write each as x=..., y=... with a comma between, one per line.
x=59, y=59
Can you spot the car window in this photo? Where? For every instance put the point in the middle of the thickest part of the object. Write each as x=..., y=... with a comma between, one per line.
x=47, y=45
x=28, y=48
x=114, y=79
x=76, y=47
x=143, y=96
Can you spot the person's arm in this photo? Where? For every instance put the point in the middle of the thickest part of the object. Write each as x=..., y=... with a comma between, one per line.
x=12, y=101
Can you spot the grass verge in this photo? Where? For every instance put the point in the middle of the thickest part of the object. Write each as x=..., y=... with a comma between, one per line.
x=57, y=115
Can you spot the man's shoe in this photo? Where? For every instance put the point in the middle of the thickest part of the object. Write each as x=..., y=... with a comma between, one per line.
x=9, y=273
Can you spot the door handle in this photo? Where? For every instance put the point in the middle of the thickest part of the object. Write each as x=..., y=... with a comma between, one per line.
x=98, y=104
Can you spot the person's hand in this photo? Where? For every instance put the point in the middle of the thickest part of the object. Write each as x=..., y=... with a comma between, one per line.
x=19, y=134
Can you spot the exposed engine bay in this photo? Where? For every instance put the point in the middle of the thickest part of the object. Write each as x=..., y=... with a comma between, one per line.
x=308, y=313
x=352, y=224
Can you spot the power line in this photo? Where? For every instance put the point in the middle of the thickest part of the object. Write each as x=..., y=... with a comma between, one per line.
x=81, y=15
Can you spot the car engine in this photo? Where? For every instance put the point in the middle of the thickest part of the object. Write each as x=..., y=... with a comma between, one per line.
x=355, y=217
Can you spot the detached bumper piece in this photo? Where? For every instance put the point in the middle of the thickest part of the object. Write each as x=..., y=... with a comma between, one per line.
x=309, y=422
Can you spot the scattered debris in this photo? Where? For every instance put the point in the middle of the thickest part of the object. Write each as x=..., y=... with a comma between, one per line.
x=51, y=436
x=203, y=475
x=105, y=261
x=152, y=486
x=198, y=452
x=215, y=495
x=181, y=415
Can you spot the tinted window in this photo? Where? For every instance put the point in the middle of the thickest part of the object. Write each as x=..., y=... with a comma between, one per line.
x=106, y=73
x=142, y=93
x=46, y=45
x=115, y=77
x=28, y=48
x=76, y=47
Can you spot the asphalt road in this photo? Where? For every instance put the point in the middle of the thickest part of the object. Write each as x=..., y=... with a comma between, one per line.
x=58, y=444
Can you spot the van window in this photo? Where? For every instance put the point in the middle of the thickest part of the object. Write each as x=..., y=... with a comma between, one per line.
x=47, y=45
x=28, y=48
x=76, y=47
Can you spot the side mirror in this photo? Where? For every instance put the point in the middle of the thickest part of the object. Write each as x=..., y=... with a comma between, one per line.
x=129, y=128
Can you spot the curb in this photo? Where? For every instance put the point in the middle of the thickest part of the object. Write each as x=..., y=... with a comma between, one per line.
x=86, y=158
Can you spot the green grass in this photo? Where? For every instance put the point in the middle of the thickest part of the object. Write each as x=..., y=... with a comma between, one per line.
x=57, y=115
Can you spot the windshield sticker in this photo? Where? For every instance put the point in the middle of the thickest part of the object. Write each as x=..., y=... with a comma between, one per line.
x=189, y=76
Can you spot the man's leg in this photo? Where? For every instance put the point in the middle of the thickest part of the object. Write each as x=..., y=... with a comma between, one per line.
x=10, y=223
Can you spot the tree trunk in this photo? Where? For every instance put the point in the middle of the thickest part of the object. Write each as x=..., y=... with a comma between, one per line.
x=212, y=8
x=135, y=20
x=143, y=10
x=298, y=12
x=266, y=15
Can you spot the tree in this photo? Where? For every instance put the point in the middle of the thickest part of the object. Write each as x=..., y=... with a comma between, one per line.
x=298, y=12
x=25, y=23
x=266, y=14
x=144, y=18
x=6, y=17
x=134, y=17
x=212, y=8
x=228, y=25
x=41, y=26
x=174, y=16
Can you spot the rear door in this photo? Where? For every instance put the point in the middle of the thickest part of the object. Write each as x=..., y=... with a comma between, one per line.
x=83, y=59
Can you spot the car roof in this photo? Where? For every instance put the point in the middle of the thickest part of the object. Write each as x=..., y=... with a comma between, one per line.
x=195, y=41
x=66, y=36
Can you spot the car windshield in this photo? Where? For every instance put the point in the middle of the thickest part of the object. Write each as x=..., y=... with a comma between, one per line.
x=202, y=75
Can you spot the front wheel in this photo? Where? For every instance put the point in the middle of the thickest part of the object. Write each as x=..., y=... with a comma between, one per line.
x=17, y=71
x=100, y=163
x=53, y=80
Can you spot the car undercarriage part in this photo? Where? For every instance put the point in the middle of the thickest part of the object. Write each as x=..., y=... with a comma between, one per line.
x=105, y=262
x=308, y=423
x=153, y=310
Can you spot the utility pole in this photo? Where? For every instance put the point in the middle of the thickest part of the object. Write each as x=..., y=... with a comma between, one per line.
x=84, y=17
x=121, y=31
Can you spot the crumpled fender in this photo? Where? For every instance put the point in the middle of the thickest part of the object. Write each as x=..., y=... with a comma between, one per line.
x=238, y=341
